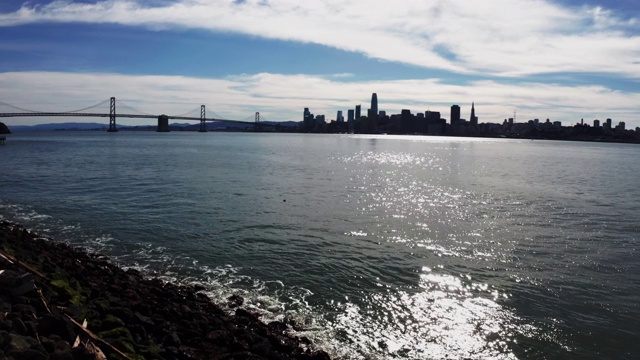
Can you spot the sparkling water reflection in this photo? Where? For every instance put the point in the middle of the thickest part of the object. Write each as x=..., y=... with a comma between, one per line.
x=443, y=318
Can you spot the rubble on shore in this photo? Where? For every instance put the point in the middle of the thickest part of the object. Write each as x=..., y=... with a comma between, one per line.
x=61, y=303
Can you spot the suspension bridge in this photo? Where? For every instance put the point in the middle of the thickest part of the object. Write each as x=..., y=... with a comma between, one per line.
x=163, y=120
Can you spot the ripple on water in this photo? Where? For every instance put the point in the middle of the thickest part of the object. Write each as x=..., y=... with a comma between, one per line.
x=445, y=317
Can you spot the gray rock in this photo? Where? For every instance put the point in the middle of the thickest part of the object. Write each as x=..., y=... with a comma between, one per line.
x=18, y=342
x=61, y=355
x=19, y=326
x=6, y=325
x=24, y=309
x=5, y=338
x=171, y=340
x=27, y=354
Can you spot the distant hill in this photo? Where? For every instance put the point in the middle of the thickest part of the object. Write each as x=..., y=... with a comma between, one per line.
x=174, y=126
x=4, y=129
x=61, y=126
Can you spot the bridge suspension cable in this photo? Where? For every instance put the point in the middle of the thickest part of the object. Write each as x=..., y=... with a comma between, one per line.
x=89, y=107
x=127, y=107
x=249, y=118
x=72, y=111
x=211, y=114
x=194, y=112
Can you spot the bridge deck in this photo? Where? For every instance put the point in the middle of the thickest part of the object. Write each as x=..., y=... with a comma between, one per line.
x=131, y=116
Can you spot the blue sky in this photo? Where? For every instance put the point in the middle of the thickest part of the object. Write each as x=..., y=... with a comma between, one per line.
x=563, y=60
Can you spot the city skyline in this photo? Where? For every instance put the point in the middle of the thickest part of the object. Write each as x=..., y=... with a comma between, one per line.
x=432, y=123
x=560, y=60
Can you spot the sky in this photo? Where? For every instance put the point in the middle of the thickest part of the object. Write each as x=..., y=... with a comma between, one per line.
x=557, y=59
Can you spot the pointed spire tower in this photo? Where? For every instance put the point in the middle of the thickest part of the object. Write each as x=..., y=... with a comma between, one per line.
x=474, y=118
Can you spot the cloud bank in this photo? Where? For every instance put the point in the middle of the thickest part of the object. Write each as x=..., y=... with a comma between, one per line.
x=506, y=38
x=281, y=97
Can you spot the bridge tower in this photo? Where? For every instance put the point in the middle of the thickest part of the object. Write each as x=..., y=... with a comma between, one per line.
x=257, y=117
x=203, y=124
x=163, y=123
x=112, y=115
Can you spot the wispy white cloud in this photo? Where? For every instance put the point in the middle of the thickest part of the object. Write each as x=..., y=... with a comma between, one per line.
x=282, y=97
x=493, y=37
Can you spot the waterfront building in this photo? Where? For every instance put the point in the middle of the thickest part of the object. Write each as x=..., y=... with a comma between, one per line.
x=358, y=112
x=435, y=124
x=319, y=123
x=339, y=117
x=307, y=118
x=596, y=123
x=432, y=117
x=455, y=114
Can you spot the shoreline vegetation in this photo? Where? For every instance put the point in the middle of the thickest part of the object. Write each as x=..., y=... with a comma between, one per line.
x=62, y=303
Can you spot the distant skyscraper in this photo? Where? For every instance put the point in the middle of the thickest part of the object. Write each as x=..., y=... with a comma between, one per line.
x=372, y=114
x=306, y=113
x=350, y=116
x=374, y=103
x=307, y=118
x=358, y=111
x=339, y=117
x=455, y=114
x=596, y=123
x=473, y=118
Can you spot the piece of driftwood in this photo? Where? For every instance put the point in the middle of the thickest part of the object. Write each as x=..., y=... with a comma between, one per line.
x=44, y=302
x=13, y=260
x=76, y=343
x=96, y=337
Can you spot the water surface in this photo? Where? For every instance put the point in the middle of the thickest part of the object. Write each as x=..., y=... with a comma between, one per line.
x=377, y=246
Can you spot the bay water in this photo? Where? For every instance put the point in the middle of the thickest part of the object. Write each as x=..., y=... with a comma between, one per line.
x=375, y=247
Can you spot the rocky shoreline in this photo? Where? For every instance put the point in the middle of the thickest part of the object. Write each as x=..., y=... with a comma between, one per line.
x=49, y=290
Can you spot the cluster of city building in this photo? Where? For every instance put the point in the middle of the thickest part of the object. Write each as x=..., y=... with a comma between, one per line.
x=432, y=123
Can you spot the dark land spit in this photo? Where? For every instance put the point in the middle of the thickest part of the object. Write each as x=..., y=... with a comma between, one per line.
x=48, y=289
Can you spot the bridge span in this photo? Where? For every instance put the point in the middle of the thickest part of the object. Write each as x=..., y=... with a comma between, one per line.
x=163, y=120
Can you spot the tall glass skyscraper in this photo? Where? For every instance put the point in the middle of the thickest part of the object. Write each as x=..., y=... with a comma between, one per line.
x=374, y=103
